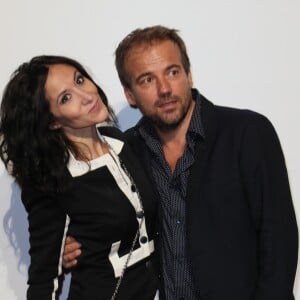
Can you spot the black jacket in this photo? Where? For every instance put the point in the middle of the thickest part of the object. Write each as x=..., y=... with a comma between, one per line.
x=97, y=214
x=242, y=234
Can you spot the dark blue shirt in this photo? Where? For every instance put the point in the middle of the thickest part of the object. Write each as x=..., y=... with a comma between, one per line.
x=176, y=269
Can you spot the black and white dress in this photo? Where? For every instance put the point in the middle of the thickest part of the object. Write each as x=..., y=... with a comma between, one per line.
x=101, y=211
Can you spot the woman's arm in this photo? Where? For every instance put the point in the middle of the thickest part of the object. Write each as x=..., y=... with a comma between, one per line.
x=47, y=228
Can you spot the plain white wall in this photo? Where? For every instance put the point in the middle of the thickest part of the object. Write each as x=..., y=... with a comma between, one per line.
x=244, y=53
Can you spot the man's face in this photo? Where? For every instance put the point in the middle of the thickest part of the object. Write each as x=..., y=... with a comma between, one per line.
x=159, y=85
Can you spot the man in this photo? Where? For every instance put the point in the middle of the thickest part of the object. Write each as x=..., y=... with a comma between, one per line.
x=228, y=229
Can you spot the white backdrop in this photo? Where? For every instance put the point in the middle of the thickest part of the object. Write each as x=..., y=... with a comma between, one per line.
x=244, y=53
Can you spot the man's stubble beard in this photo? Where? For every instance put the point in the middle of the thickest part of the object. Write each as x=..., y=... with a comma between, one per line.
x=164, y=125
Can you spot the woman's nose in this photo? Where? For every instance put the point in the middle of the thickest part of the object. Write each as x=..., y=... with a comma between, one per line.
x=85, y=96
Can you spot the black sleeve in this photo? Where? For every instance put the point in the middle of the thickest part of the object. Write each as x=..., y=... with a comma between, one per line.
x=270, y=198
x=47, y=226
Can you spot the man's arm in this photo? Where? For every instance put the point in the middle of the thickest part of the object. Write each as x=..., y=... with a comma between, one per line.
x=268, y=190
x=71, y=252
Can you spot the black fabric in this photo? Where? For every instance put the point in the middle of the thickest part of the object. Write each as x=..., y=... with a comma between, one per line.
x=100, y=214
x=242, y=236
x=172, y=185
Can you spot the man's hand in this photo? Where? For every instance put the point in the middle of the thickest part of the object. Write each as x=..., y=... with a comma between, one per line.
x=71, y=252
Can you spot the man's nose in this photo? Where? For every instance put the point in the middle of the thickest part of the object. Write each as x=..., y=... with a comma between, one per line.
x=163, y=87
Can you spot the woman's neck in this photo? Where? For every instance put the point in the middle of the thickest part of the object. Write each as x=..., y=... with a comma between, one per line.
x=88, y=144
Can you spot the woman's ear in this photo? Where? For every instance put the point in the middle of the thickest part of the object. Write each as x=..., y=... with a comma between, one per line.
x=54, y=126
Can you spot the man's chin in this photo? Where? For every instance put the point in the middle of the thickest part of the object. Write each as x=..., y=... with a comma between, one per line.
x=167, y=124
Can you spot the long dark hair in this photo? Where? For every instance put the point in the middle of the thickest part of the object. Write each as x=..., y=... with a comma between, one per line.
x=32, y=152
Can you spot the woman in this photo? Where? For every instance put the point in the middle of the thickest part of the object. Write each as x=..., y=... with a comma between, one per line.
x=78, y=179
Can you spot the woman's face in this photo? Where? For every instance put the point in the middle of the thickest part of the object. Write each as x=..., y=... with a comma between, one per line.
x=74, y=99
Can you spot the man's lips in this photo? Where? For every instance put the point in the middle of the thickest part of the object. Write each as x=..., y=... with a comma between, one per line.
x=167, y=103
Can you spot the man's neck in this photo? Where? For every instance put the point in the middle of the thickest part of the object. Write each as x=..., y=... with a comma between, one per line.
x=174, y=141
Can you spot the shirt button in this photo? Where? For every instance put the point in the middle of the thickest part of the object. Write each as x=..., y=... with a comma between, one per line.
x=143, y=239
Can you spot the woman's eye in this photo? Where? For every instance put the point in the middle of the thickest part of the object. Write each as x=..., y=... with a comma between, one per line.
x=79, y=79
x=65, y=98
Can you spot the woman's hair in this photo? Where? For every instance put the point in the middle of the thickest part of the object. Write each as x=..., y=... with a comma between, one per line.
x=34, y=153
x=146, y=37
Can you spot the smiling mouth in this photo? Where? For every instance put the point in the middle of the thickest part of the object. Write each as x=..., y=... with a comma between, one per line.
x=94, y=107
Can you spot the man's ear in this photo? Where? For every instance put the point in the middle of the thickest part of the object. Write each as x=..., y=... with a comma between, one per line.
x=190, y=79
x=130, y=98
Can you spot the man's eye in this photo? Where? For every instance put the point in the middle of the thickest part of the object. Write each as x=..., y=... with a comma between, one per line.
x=80, y=79
x=146, y=80
x=173, y=72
